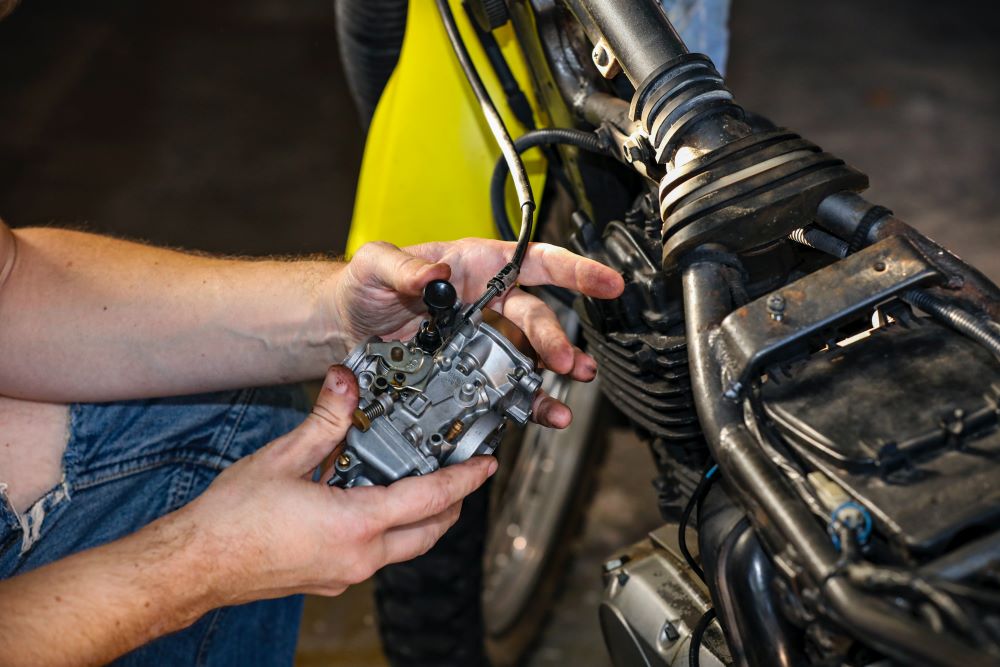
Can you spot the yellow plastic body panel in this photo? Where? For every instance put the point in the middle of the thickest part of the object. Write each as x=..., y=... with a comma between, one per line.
x=429, y=153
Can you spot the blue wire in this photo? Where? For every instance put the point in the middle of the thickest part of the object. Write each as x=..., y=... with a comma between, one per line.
x=711, y=471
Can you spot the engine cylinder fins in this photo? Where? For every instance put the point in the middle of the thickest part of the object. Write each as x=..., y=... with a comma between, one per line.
x=749, y=193
x=634, y=380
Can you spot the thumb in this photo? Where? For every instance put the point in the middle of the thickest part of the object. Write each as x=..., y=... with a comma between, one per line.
x=327, y=424
x=398, y=270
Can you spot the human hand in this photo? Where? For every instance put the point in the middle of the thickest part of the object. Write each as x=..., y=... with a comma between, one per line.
x=379, y=293
x=271, y=531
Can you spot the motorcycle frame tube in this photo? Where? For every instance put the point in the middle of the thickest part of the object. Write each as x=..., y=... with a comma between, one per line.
x=637, y=32
x=780, y=517
x=740, y=576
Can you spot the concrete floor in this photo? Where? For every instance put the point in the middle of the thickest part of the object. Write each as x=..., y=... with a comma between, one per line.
x=226, y=126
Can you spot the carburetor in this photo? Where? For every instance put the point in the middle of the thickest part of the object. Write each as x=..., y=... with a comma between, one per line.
x=439, y=398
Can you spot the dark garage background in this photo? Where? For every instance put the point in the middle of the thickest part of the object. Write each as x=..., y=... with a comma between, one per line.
x=226, y=126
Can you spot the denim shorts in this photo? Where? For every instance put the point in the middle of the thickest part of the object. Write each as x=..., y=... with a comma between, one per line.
x=129, y=463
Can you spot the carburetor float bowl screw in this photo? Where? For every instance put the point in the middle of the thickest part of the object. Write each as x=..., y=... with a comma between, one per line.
x=363, y=417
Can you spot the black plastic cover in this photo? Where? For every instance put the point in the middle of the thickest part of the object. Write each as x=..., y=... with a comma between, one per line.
x=906, y=421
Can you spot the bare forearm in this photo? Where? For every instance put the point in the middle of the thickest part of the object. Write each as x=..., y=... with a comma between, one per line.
x=98, y=604
x=85, y=317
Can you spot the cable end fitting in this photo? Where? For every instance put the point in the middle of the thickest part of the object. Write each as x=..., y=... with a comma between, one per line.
x=505, y=278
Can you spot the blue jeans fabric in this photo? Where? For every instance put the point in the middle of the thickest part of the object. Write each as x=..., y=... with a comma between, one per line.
x=129, y=463
x=703, y=25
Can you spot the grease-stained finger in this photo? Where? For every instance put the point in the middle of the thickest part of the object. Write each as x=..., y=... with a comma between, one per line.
x=548, y=411
x=541, y=325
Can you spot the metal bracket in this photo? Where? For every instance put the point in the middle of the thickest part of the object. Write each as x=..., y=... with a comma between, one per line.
x=780, y=325
x=605, y=60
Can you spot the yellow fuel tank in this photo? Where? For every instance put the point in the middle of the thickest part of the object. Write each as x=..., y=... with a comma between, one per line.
x=429, y=154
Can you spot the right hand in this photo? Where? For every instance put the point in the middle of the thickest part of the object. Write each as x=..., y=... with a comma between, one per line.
x=270, y=531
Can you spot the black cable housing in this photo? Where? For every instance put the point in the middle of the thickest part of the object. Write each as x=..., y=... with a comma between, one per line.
x=588, y=141
x=955, y=317
x=697, y=635
x=700, y=491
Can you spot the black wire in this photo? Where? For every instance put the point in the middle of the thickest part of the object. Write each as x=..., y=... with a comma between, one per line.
x=498, y=202
x=694, y=650
x=700, y=491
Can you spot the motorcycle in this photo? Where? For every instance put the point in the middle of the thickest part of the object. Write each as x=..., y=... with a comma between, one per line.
x=817, y=380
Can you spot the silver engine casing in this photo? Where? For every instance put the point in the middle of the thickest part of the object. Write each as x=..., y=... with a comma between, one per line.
x=652, y=602
x=420, y=411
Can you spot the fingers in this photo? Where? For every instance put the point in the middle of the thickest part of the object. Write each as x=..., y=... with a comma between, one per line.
x=541, y=325
x=414, y=499
x=544, y=264
x=325, y=428
x=406, y=542
x=386, y=265
x=547, y=411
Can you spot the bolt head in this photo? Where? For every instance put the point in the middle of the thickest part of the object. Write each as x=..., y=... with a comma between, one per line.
x=669, y=633
x=776, y=307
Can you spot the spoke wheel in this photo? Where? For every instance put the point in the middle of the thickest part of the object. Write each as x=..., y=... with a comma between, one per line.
x=536, y=510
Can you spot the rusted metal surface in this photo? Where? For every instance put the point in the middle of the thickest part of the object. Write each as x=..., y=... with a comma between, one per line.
x=963, y=282
x=782, y=324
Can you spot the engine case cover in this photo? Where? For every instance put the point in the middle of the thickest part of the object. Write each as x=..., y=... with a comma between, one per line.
x=420, y=411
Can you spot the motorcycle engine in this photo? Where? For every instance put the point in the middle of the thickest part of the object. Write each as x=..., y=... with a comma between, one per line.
x=439, y=398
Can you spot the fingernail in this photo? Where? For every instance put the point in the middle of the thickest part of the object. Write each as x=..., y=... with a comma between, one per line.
x=493, y=468
x=340, y=386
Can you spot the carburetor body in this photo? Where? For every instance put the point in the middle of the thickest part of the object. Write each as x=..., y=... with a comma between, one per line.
x=437, y=399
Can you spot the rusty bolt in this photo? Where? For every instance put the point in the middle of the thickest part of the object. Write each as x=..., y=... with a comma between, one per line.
x=879, y=266
x=776, y=307
x=396, y=354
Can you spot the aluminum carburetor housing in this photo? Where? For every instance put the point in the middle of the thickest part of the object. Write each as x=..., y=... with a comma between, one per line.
x=439, y=398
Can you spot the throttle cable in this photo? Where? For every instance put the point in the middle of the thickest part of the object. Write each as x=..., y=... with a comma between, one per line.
x=507, y=275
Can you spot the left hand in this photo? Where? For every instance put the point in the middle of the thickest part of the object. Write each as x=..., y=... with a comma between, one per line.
x=379, y=293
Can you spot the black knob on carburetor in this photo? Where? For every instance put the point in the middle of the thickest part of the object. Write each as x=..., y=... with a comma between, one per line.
x=440, y=298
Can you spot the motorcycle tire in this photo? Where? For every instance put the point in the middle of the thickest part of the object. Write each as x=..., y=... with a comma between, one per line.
x=434, y=610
